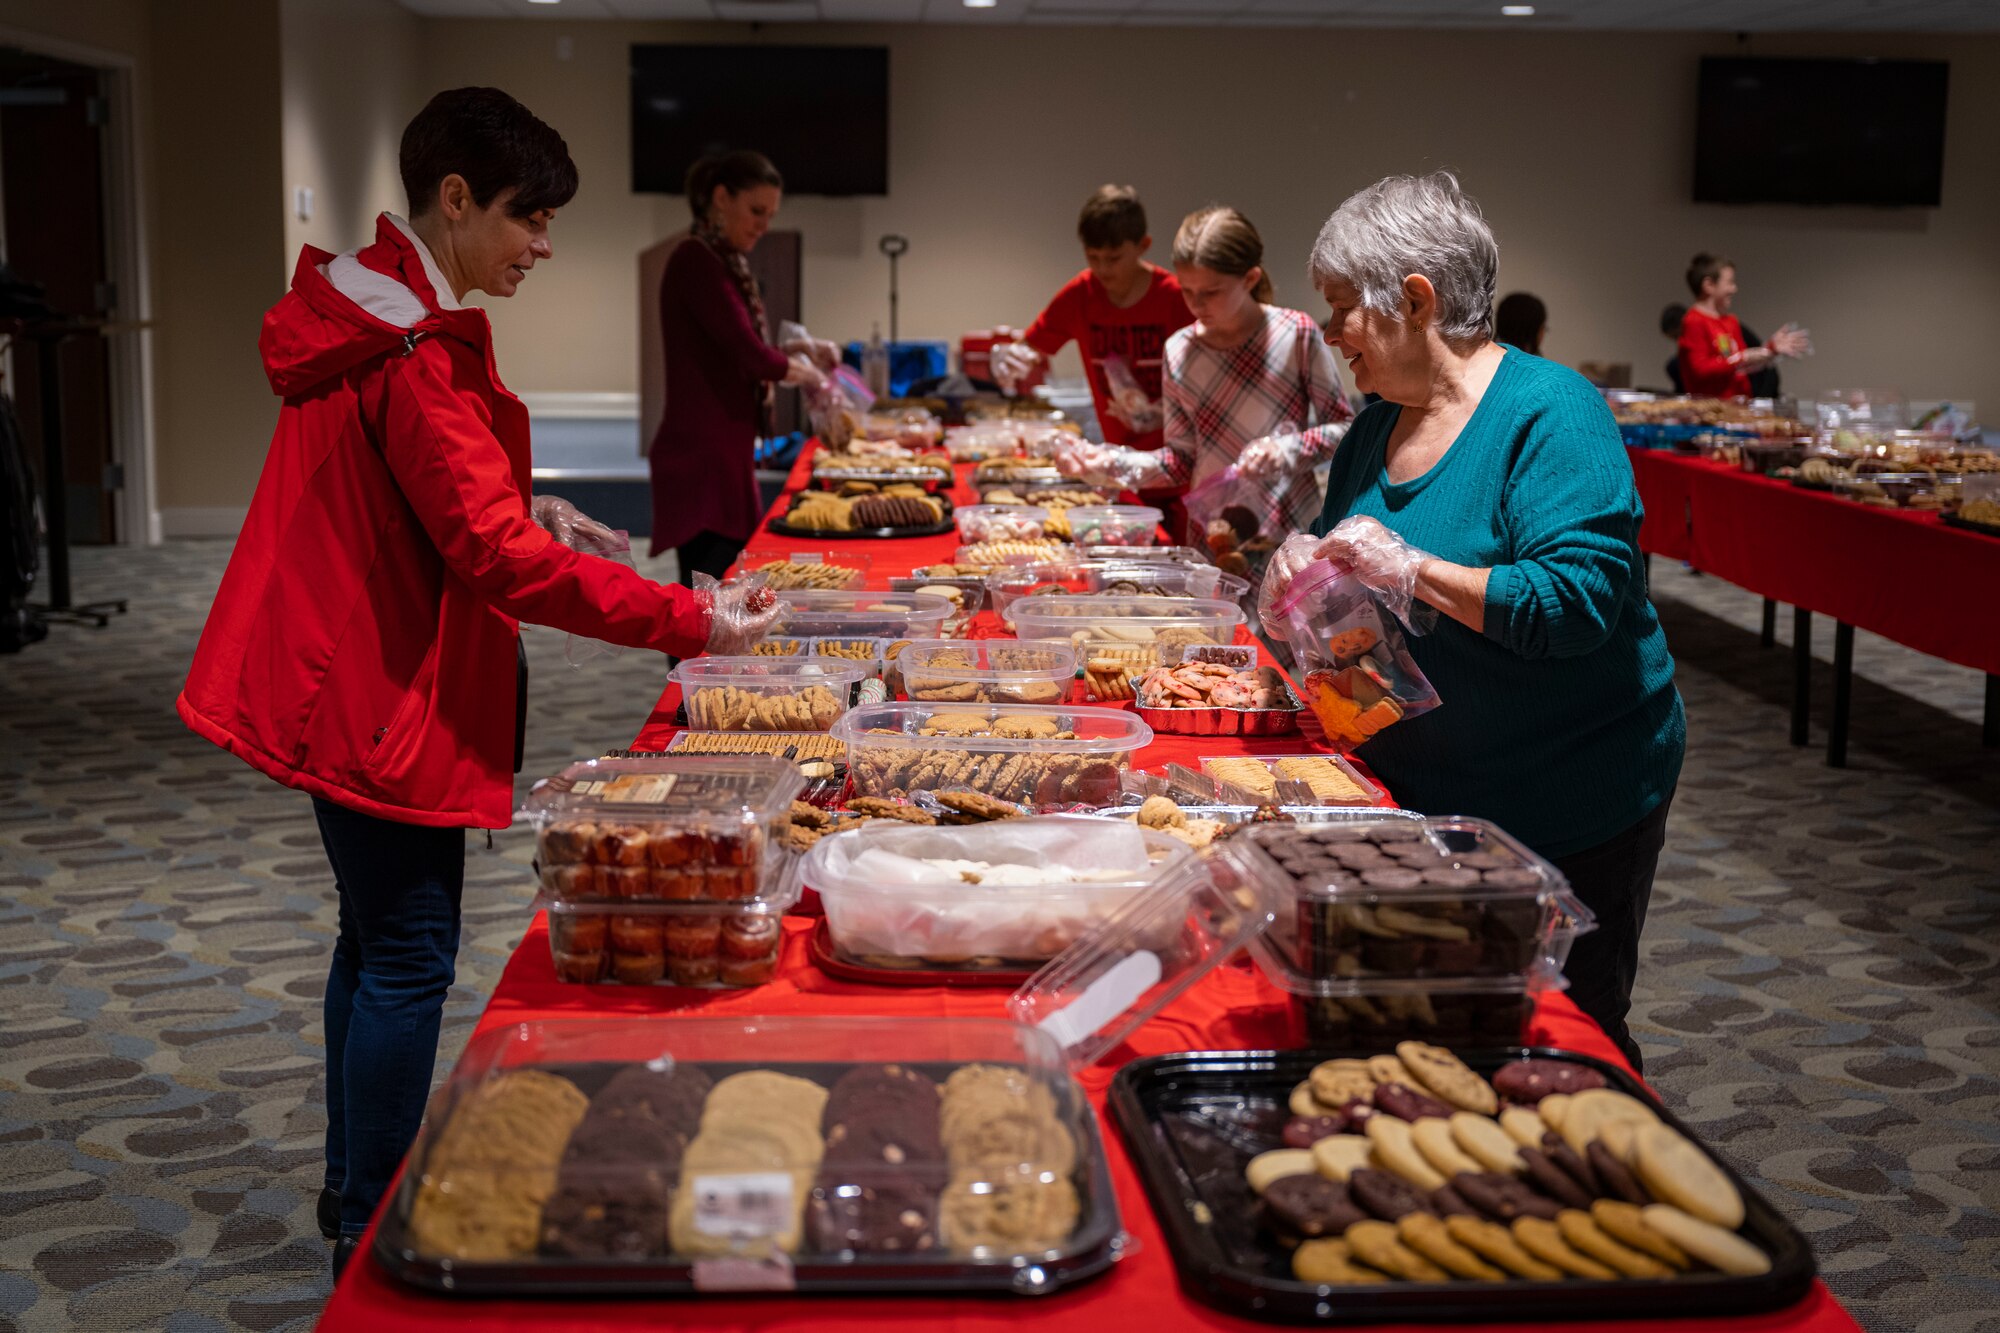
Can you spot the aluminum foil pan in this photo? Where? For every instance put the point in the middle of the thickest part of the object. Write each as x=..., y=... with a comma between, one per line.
x=1223, y=721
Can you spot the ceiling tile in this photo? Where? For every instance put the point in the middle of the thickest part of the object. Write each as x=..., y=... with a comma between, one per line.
x=871, y=11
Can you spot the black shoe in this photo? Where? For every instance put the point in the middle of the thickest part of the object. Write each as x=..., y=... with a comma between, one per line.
x=344, y=1249
x=329, y=1213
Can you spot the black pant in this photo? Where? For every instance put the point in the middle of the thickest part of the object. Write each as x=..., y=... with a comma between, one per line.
x=393, y=963
x=1615, y=880
x=708, y=553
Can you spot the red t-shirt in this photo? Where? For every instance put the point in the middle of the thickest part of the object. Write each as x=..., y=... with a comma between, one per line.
x=1706, y=346
x=1084, y=312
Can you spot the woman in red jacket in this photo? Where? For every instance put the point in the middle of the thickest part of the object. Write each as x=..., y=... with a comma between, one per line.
x=362, y=646
x=1714, y=363
x=720, y=367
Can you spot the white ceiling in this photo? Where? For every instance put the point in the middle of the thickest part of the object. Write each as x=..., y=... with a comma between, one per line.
x=1550, y=15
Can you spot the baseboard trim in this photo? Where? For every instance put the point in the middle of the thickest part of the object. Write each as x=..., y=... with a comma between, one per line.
x=202, y=521
x=583, y=406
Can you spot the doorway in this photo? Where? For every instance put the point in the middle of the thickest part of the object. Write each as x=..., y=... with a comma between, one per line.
x=53, y=118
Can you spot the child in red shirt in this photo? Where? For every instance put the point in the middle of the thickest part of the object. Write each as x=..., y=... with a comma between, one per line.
x=1714, y=362
x=1119, y=311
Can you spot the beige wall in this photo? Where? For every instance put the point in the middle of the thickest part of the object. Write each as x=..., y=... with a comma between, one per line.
x=349, y=86
x=1580, y=146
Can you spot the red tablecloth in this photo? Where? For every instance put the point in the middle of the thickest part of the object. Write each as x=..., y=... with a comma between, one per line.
x=1899, y=573
x=1235, y=1008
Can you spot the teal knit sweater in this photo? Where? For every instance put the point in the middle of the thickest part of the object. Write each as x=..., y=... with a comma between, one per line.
x=1560, y=721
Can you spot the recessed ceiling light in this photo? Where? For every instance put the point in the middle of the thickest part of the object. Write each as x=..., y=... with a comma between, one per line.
x=1511, y=11
x=544, y=2
x=981, y=4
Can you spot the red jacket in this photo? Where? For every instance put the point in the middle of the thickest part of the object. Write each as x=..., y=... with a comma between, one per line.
x=362, y=645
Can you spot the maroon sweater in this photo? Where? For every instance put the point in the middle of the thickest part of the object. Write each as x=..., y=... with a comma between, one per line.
x=704, y=479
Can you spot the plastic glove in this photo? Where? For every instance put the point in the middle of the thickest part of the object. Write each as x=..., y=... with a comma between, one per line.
x=804, y=373
x=1011, y=363
x=1271, y=456
x=739, y=614
x=1112, y=465
x=571, y=526
x=823, y=354
x=1383, y=562
x=1287, y=563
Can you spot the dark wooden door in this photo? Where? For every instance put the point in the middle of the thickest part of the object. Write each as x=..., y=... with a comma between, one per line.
x=775, y=265
x=52, y=181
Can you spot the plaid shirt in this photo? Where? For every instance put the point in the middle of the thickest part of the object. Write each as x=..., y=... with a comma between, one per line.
x=1281, y=379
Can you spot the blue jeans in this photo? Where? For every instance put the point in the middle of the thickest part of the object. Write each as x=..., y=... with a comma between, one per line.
x=393, y=964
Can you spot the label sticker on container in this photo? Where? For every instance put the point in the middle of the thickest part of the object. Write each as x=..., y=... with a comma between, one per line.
x=1104, y=999
x=808, y=558
x=632, y=788
x=743, y=1205
x=737, y=1272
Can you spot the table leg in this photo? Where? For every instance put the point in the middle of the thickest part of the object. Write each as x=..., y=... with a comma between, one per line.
x=1989, y=735
x=1843, y=693
x=1801, y=672
x=1769, y=637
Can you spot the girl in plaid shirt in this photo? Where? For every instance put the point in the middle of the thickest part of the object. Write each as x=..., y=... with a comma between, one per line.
x=1248, y=383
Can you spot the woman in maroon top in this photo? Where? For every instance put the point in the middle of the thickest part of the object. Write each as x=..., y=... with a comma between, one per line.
x=721, y=365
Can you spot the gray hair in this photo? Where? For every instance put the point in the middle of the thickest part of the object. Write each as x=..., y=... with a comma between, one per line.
x=1403, y=225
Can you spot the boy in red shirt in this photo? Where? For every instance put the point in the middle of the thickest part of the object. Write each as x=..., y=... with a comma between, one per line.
x=1119, y=310
x=1713, y=360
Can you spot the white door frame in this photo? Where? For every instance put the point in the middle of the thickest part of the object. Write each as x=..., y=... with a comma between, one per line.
x=127, y=259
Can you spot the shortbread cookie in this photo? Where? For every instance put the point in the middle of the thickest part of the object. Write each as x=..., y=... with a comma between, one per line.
x=1586, y=1237
x=1589, y=1111
x=1332, y=1262
x=1675, y=1171
x=1427, y=1236
x=1544, y=1240
x=1267, y=1167
x=1379, y=1245
x=1339, y=1156
x=1724, y=1250
x=1490, y=1145
x=1626, y=1224
x=1397, y=1151
x=1439, y=1146
x=1496, y=1244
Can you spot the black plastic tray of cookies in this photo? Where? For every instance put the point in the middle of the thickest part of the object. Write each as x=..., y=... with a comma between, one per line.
x=1097, y=1242
x=782, y=526
x=1193, y=1121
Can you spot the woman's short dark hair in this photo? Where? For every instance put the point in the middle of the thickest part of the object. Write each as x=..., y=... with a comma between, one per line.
x=1705, y=267
x=1519, y=320
x=495, y=143
x=735, y=171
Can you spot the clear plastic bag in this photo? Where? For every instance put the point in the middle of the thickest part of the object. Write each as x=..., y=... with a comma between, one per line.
x=617, y=547
x=838, y=406
x=1240, y=519
x=1128, y=402
x=1358, y=676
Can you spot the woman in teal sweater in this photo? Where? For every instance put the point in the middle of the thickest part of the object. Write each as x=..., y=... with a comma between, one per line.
x=1492, y=486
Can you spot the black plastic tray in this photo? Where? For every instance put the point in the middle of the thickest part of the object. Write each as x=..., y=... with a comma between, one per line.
x=1098, y=1241
x=943, y=525
x=1230, y=1106
x=1954, y=521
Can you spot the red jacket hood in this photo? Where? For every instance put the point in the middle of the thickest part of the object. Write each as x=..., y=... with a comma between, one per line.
x=345, y=309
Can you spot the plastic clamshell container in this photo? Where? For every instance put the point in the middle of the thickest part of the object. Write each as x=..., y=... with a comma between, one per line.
x=971, y=589
x=622, y=1155
x=1155, y=621
x=992, y=671
x=1143, y=956
x=1000, y=523
x=653, y=942
x=865, y=652
x=932, y=477
x=1016, y=471
x=1083, y=578
x=1343, y=784
x=878, y=908
x=678, y=828
x=1444, y=898
x=766, y=693
x=1167, y=555
x=1115, y=525
x=999, y=555
x=898, y=615
x=1017, y=752
x=788, y=569
x=1902, y=490
x=780, y=645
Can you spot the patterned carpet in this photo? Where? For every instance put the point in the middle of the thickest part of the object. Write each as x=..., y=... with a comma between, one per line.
x=1819, y=992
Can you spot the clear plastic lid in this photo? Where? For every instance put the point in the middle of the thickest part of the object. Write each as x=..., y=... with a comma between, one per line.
x=675, y=827
x=1172, y=555
x=996, y=555
x=1290, y=779
x=901, y=615
x=665, y=942
x=1007, y=671
x=1001, y=523
x=1114, y=525
x=1146, y=954
x=1014, y=891
x=766, y=693
x=1031, y=755
x=790, y=569
x=620, y=1150
x=1117, y=577
x=1156, y=621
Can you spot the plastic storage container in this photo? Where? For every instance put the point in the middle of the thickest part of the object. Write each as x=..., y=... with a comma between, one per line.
x=603, y=1155
x=679, y=828
x=790, y=570
x=766, y=693
x=898, y=615
x=1035, y=756
x=672, y=943
x=989, y=671
x=984, y=897
x=1147, y=622
x=1114, y=525
x=1324, y=779
x=999, y=555
x=1167, y=555
x=1001, y=523
x=1083, y=578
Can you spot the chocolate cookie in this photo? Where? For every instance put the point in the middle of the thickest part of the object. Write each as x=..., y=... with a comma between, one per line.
x=1553, y=1180
x=673, y=1096
x=1573, y=1164
x=879, y=1212
x=1385, y=1195
x=1304, y=1131
x=1616, y=1177
x=1308, y=1207
x=1504, y=1198
x=1528, y=1081
x=1448, y=1202
x=1407, y=1104
x=613, y=1189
